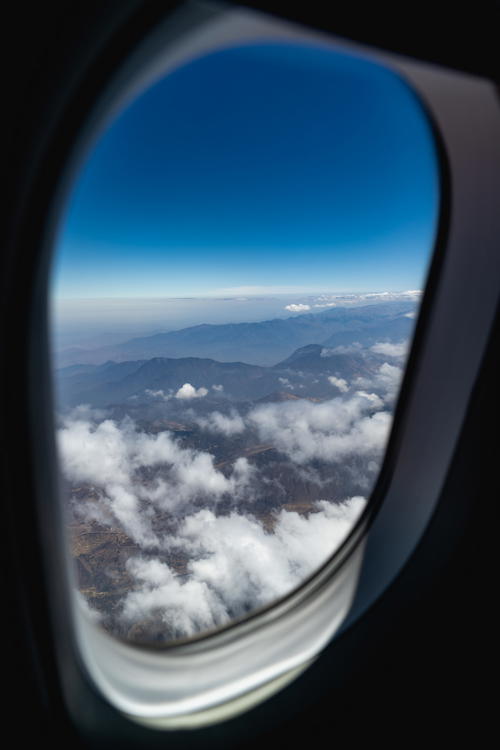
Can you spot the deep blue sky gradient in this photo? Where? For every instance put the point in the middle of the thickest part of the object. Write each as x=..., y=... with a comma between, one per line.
x=272, y=166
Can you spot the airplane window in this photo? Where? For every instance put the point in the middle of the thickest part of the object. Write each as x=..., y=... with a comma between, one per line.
x=235, y=284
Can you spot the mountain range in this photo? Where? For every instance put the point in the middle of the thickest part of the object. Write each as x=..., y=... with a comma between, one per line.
x=306, y=371
x=263, y=343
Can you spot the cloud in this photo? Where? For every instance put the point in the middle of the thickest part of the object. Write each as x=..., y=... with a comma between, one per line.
x=176, y=503
x=330, y=431
x=188, y=391
x=85, y=411
x=112, y=458
x=232, y=557
x=354, y=348
x=339, y=383
x=158, y=394
x=218, y=388
x=368, y=298
x=389, y=349
x=185, y=607
x=234, y=563
x=386, y=381
x=92, y=614
x=221, y=423
x=410, y=315
x=286, y=383
x=410, y=294
x=297, y=308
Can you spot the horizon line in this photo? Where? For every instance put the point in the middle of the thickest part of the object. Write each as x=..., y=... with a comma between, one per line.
x=240, y=296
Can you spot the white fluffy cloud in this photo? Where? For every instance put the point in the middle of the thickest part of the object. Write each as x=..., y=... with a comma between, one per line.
x=349, y=425
x=369, y=298
x=389, y=349
x=386, y=381
x=158, y=394
x=330, y=431
x=112, y=457
x=297, y=307
x=87, y=609
x=228, y=425
x=185, y=392
x=185, y=607
x=234, y=563
x=354, y=348
x=339, y=383
x=188, y=391
x=232, y=558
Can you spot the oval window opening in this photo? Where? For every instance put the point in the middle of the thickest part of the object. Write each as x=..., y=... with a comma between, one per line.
x=234, y=291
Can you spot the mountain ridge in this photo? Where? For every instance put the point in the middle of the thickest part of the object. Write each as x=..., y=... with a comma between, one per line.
x=262, y=343
x=307, y=370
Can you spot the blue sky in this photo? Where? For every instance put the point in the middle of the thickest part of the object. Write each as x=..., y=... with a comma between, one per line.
x=262, y=169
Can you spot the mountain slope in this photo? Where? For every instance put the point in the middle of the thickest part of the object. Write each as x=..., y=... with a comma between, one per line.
x=316, y=359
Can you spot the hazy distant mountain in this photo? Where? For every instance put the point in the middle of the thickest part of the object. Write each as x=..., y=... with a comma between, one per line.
x=262, y=343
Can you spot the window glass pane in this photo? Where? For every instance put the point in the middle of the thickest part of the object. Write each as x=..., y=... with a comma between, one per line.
x=234, y=291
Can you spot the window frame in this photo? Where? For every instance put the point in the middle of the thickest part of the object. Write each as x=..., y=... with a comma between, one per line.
x=38, y=415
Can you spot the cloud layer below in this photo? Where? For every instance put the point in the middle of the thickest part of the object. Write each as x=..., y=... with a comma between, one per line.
x=167, y=496
x=236, y=565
